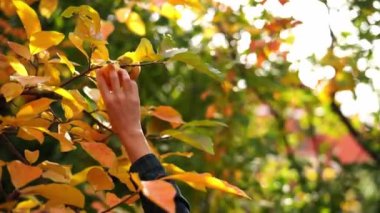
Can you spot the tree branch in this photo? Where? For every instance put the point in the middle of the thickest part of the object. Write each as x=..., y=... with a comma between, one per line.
x=97, y=67
x=13, y=149
x=354, y=133
x=121, y=202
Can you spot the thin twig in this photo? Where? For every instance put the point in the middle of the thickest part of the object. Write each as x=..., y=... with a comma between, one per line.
x=97, y=121
x=97, y=67
x=121, y=202
x=13, y=149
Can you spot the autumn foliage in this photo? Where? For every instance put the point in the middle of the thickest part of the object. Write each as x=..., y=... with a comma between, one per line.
x=45, y=106
x=277, y=97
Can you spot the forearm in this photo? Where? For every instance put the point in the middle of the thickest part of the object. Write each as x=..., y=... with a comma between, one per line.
x=135, y=144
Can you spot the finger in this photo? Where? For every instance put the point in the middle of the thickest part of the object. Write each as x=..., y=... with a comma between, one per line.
x=102, y=84
x=114, y=79
x=126, y=81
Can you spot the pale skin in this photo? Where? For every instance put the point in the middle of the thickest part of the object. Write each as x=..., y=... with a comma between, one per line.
x=122, y=101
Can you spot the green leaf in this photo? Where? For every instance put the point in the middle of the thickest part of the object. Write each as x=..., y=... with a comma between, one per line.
x=204, y=123
x=198, y=141
x=196, y=61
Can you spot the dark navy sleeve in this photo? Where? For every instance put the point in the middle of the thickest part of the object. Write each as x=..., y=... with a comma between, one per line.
x=149, y=168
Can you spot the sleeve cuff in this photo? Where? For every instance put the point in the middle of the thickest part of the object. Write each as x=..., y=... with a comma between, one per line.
x=148, y=167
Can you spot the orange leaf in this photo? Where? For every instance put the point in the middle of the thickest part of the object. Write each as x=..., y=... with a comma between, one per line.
x=203, y=180
x=122, y=14
x=30, y=133
x=11, y=90
x=112, y=199
x=47, y=7
x=34, y=108
x=60, y=193
x=31, y=156
x=99, y=179
x=106, y=28
x=168, y=114
x=100, y=152
x=161, y=193
x=56, y=172
x=22, y=174
x=28, y=17
x=81, y=176
x=20, y=50
x=65, y=144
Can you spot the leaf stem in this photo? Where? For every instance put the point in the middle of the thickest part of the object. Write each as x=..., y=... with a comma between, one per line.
x=13, y=149
x=121, y=202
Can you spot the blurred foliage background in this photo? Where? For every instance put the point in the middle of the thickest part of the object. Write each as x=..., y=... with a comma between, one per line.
x=300, y=94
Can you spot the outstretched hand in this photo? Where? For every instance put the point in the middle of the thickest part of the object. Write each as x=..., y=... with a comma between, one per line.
x=121, y=97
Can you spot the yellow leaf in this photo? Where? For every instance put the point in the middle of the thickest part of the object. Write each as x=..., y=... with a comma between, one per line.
x=65, y=60
x=64, y=93
x=20, y=50
x=31, y=156
x=78, y=43
x=203, y=180
x=88, y=21
x=23, y=206
x=28, y=17
x=100, y=152
x=172, y=169
x=169, y=11
x=17, y=66
x=53, y=73
x=99, y=179
x=144, y=52
x=81, y=176
x=56, y=172
x=124, y=177
x=71, y=108
x=43, y=40
x=161, y=193
x=100, y=53
x=61, y=193
x=182, y=154
x=136, y=24
x=47, y=7
x=34, y=108
x=22, y=174
x=11, y=90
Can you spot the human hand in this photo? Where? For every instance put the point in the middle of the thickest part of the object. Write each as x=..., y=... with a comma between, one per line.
x=121, y=98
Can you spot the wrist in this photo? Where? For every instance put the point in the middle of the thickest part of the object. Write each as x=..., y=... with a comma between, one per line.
x=135, y=144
